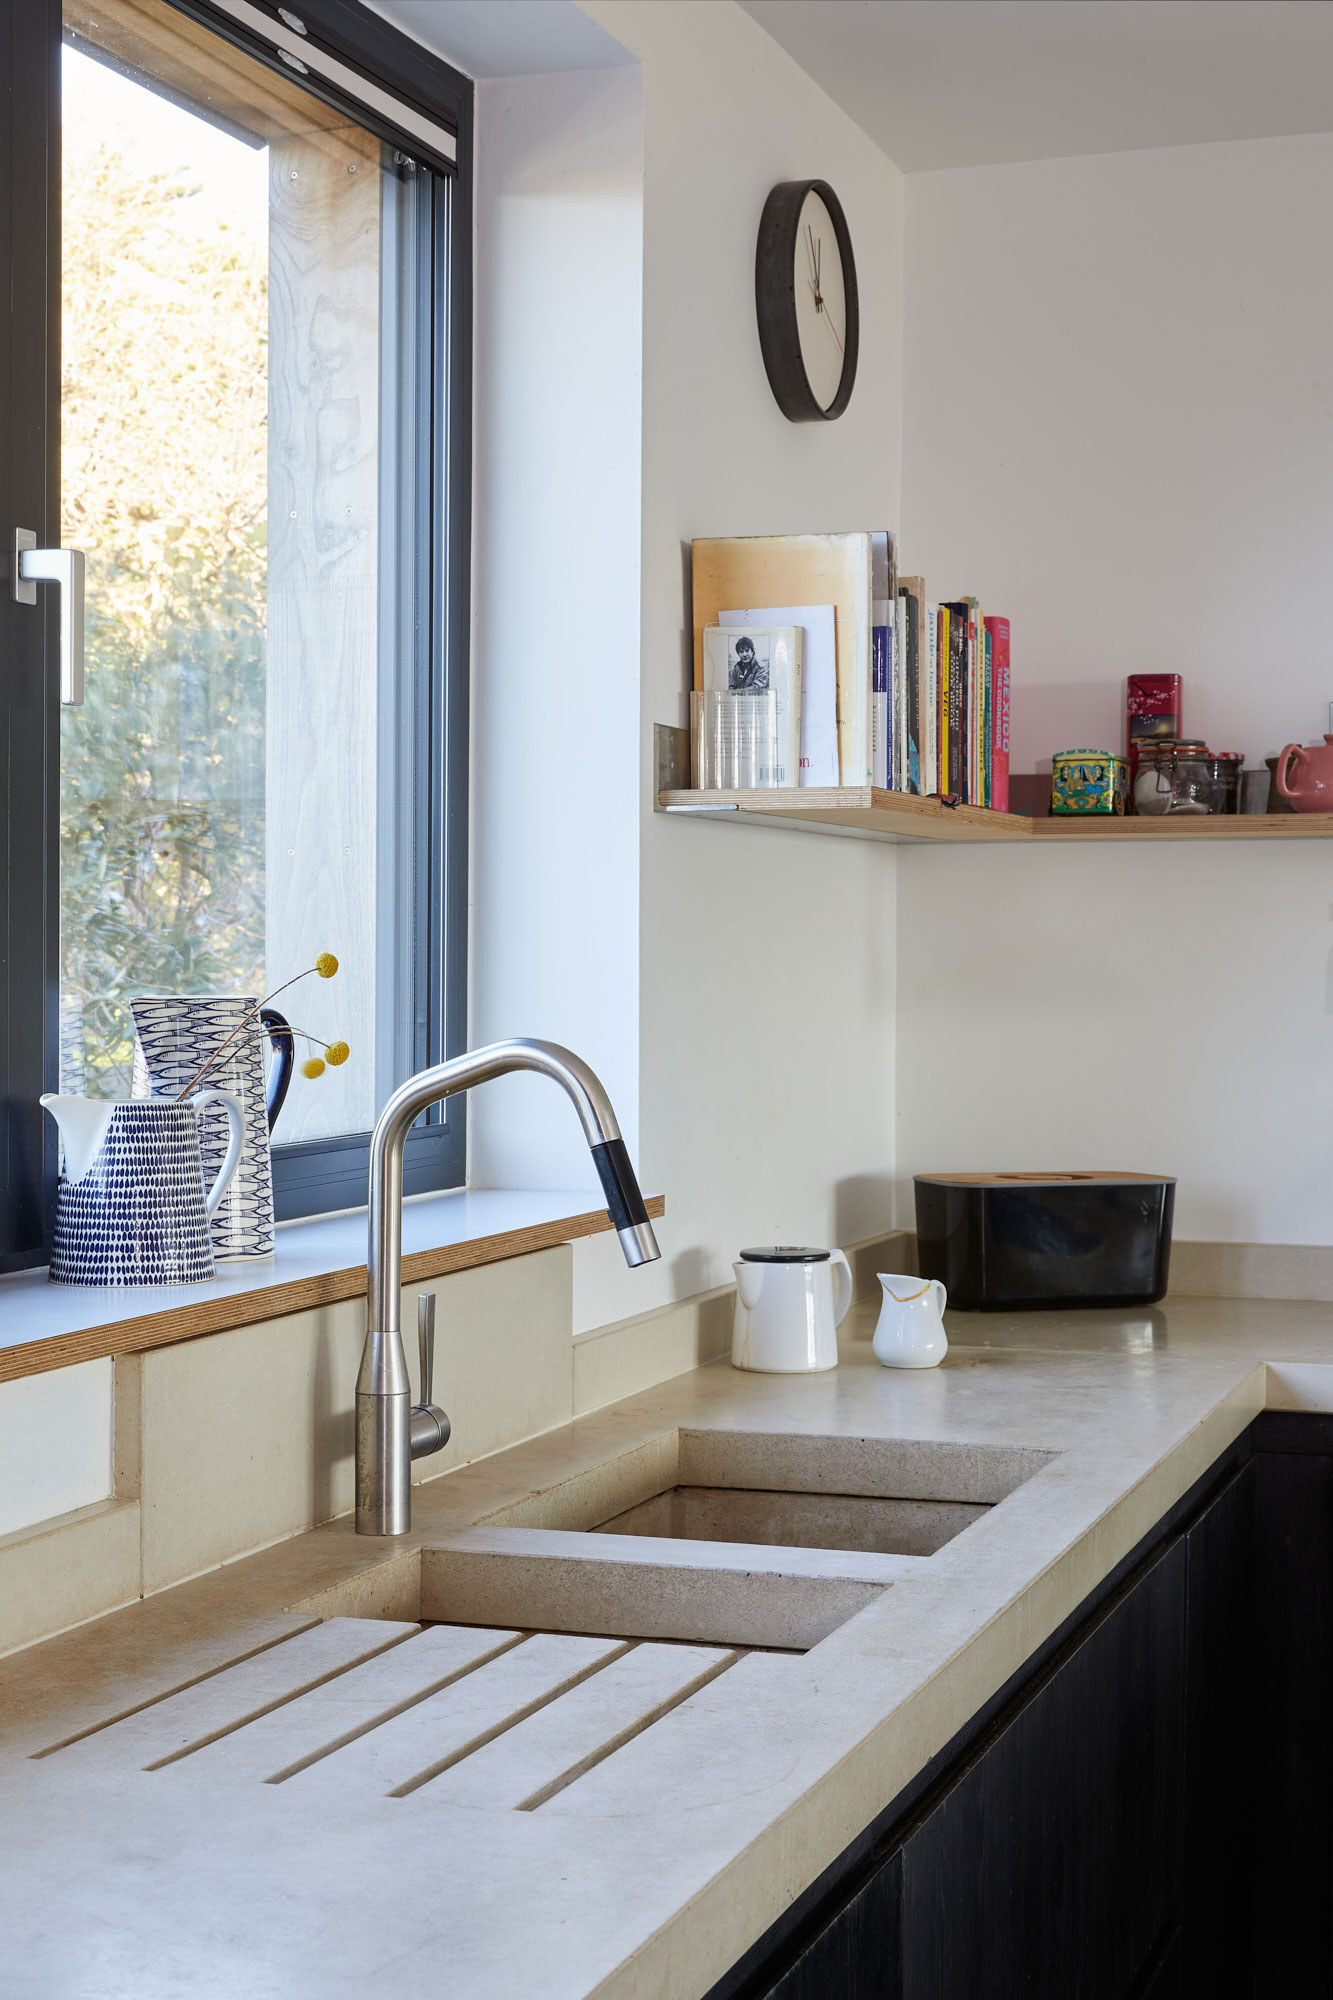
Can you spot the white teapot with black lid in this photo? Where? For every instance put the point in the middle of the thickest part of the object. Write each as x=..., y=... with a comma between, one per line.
x=790, y=1302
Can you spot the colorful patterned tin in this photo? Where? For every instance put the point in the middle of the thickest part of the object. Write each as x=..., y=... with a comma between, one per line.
x=1088, y=781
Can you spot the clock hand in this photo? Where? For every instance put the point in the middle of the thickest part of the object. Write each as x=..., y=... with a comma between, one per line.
x=815, y=247
x=810, y=252
x=821, y=305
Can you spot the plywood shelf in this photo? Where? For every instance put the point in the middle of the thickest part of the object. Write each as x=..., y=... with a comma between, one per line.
x=894, y=816
x=1223, y=826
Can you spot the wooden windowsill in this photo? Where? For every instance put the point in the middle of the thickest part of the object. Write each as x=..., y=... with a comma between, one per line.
x=44, y=1326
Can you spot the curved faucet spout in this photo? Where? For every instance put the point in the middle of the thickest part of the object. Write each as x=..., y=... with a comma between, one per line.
x=387, y=1438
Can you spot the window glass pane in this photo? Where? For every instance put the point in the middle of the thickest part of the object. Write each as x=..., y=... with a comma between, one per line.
x=223, y=379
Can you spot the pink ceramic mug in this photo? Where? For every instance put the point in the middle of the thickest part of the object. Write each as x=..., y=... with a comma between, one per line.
x=1311, y=789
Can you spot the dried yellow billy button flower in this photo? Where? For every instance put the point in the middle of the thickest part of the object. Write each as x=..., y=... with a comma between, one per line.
x=325, y=965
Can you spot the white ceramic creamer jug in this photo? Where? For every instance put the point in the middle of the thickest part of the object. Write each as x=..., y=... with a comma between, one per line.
x=789, y=1304
x=910, y=1332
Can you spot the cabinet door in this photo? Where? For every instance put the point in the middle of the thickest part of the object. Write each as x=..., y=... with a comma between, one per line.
x=853, y=1955
x=1052, y=1865
x=1215, y=1944
x=1288, y=1731
x=1165, y=1977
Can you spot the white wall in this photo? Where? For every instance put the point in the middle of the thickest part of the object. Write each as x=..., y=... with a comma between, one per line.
x=767, y=959
x=734, y=989
x=555, y=702
x=1126, y=446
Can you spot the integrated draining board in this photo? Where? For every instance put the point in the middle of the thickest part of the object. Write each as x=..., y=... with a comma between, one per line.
x=367, y=1707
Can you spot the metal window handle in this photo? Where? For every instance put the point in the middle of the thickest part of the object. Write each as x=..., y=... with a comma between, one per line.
x=64, y=568
x=428, y=1426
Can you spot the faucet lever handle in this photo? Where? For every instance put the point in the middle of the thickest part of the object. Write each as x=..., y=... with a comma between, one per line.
x=428, y=1427
x=426, y=1344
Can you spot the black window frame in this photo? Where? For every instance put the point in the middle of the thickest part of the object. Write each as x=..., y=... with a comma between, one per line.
x=312, y=1177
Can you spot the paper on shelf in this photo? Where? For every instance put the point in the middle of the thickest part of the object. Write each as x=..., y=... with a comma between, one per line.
x=819, y=681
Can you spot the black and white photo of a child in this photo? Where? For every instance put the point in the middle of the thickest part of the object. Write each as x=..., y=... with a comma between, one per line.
x=746, y=672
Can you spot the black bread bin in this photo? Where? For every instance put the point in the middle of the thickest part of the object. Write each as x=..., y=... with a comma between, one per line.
x=1032, y=1242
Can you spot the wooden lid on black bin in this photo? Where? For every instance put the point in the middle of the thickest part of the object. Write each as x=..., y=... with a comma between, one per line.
x=1039, y=1180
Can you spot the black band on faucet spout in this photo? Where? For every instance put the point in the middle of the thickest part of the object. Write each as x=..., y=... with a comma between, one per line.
x=624, y=1201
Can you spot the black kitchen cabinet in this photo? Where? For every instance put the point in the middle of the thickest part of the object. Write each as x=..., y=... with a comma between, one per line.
x=854, y=1955
x=1164, y=1977
x=1052, y=1862
x=1218, y=1863
x=1288, y=1733
x=1146, y=1812
x=1047, y=1861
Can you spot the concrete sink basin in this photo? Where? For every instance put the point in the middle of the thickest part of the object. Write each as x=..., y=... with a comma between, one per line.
x=739, y=1538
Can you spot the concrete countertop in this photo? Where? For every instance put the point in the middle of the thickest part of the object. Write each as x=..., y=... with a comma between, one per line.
x=653, y=1872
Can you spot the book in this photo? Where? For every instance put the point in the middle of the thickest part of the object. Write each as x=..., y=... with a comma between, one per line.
x=819, y=681
x=916, y=664
x=900, y=705
x=883, y=673
x=962, y=679
x=884, y=557
x=881, y=715
x=959, y=747
x=909, y=606
x=757, y=660
x=998, y=631
x=800, y=570
x=930, y=689
x=896, y=661
x=976, y=671
x=987, y=749
x=942, y=623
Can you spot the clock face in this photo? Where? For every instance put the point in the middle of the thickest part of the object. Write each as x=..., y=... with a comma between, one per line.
x=821, y=300
x=806, y=301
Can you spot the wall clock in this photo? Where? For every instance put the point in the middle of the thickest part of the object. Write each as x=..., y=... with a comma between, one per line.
x=805, y=298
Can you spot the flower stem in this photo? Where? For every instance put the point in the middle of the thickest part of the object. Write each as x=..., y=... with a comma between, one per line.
x=241, y=1025
x=277, y=1034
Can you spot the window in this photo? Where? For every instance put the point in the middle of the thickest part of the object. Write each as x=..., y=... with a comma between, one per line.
x=259, y=292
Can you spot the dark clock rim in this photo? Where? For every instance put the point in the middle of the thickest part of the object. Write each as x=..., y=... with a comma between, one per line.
x=775, y=302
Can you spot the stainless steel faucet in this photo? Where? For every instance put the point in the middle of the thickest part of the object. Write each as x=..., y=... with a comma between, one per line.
x=390, y=1432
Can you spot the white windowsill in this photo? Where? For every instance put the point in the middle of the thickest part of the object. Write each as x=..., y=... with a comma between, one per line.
x=325, y=1256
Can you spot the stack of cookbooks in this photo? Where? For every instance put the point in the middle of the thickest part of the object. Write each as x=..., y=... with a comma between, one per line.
x=871, y=683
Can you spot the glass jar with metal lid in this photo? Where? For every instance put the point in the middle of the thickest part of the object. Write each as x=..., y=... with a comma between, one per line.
x=1225, y=769
x=1175, y=776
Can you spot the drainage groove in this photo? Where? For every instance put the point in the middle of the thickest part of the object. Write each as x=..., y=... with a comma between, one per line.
x=627, y=1735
